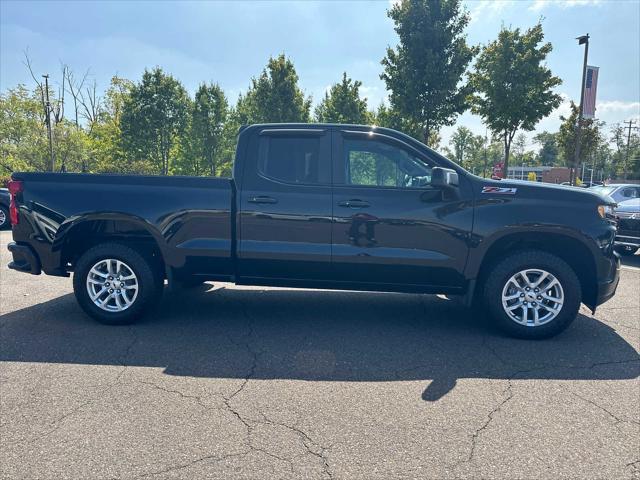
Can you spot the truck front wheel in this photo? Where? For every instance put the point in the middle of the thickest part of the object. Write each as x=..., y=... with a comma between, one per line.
x=532, y=294
x=114, y=284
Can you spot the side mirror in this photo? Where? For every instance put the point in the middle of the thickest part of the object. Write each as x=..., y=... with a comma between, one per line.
x=444, y=178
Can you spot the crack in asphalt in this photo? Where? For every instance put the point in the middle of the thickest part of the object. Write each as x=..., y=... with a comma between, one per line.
x=58, y=422
x=476, y=435
x=617, y=419
x=311, y=446
x=197, y=398
x=216, y=458
x=320, y=450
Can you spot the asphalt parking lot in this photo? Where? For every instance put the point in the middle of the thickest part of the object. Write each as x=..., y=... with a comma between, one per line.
x=231, y=382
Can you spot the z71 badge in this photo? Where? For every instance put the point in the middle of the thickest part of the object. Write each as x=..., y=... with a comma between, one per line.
x=500, y=190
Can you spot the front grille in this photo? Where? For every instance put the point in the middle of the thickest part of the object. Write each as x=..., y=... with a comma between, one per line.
x=628, y=225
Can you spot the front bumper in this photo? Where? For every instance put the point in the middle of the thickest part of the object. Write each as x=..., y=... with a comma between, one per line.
x=25, y=259
x=627, y=240
x=607, y=288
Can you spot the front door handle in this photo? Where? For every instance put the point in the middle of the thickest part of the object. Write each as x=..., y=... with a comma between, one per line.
x=354, y=203
x=262, y=199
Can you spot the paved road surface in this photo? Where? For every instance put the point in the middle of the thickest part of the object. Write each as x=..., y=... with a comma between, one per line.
x=229, y=382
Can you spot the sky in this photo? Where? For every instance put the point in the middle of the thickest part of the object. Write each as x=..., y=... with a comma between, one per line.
x=230, y=42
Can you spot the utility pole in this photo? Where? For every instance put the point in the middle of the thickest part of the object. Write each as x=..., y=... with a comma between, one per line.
x=626, y=158
x=582, y=40
x=48, y=120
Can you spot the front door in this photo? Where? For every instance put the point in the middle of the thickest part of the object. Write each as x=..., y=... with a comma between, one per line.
x=286, y=206
x=391, y=229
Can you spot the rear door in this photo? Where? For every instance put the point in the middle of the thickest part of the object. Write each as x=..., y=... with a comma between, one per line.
x=286, y=205
x=390, y=226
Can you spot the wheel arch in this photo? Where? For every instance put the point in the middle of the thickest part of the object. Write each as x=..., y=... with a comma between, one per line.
x=77, y=235
x=575, y=252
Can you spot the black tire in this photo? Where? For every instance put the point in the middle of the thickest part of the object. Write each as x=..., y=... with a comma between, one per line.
x=5, y=222
x=150, y=283
x=626, y=250
x=532, y=259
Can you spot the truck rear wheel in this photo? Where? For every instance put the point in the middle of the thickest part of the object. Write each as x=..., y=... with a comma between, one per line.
x=114, y=284
x=532, y=294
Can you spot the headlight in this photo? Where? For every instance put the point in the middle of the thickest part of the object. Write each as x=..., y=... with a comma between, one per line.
x=605, y=210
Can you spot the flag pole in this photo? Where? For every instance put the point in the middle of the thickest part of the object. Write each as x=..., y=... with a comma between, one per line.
x=584, y=39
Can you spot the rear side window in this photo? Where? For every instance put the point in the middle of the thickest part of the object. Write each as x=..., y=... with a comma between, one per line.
x=293, y=160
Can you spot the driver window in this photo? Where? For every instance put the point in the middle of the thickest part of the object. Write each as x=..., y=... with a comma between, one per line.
x=378, y=164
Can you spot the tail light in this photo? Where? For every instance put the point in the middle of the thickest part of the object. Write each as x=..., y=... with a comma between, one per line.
x=15, y=188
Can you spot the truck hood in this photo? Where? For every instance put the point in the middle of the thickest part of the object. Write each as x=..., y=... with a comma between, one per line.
x=553, y=191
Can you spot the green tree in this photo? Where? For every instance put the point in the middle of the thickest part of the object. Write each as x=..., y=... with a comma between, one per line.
x=342, y=104
x=106, y=143
x=514, y=87
x=461, y=142
x=204, y=141
x=621, y=167
x=475, y=156
x=274, y=96
x=424, y=72
x=589, y=140
x=389, y=117
x=23, y=140
x=548, y=153
x=154, y=118
x=72, y=147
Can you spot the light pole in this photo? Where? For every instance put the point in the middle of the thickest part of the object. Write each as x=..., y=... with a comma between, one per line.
x=582, y=40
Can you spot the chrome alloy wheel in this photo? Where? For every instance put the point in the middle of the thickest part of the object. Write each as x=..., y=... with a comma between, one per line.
x=3, y=218
x=112, y=285
x=532, y=297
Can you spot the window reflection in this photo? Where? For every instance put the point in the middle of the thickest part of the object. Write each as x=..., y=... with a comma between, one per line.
x=374, y=163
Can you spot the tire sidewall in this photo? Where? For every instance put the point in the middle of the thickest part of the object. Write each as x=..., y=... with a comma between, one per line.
x=511, y=265
x=7, y=221
x=147, y=283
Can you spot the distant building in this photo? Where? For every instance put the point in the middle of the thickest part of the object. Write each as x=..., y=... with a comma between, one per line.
x=543, y=173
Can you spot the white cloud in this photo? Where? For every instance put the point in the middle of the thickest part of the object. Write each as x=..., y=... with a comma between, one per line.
x=483, y=9
x=539, y=5
x=617, y=106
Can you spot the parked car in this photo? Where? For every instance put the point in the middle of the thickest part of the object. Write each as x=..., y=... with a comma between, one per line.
x=4, y=208
x=592, y=184
x=628, y=236
x=323, y=206
x=619, y=191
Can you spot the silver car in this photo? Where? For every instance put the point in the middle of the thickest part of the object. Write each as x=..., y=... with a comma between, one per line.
x=628, y=235
x=620, y=192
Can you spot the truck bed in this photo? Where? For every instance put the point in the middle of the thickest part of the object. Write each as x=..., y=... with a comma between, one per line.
x=190, y=218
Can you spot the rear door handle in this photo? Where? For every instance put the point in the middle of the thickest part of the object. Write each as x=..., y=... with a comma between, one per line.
x=262, y=199
x=354, y=203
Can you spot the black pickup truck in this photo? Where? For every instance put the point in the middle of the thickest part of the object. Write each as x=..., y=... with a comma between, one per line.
x=323, y=206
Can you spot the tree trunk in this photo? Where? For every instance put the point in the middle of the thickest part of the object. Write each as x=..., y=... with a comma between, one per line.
x=427, y=134
x=507, y=148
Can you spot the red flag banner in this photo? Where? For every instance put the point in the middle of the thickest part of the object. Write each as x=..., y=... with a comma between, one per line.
x=590, y=87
